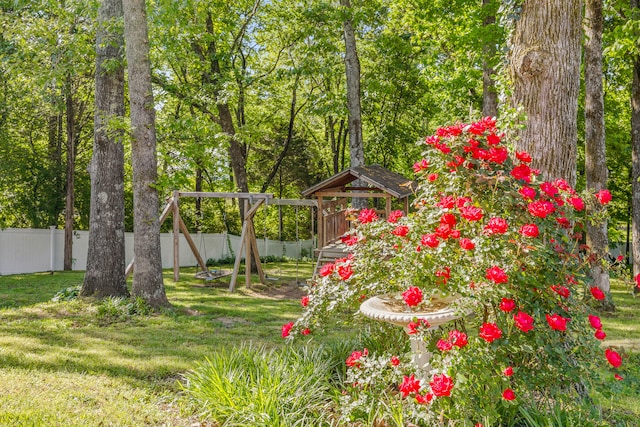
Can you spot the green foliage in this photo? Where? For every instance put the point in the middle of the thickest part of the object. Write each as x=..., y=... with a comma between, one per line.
x=120, y=309
x=67, y=294
x=251, y=385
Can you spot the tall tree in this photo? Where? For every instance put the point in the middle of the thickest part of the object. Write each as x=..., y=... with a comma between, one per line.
x=595, y=153
x=544, y=66
x=106, y=257
x=489, y=92
x=352, y=67
x=352, y=70
x=635, y=155
x=147, y=274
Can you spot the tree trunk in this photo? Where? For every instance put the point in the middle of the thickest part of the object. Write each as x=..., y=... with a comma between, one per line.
x=352, y=66
x=544, y=66
x=71, y=173
x=489, y=93
x=595, y=156
x=635, y=160
x=105, y=256
x=147, y=274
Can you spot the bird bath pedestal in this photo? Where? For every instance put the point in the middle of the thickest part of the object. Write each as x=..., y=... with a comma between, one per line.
x=391, y=309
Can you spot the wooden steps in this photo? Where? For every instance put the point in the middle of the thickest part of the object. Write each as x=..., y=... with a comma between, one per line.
x=329, y=254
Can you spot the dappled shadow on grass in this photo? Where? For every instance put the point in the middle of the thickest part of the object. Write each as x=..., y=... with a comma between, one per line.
x=155, y=349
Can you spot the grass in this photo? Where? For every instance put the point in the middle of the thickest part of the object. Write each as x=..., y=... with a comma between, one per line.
x=68, y=363
x=63, y=364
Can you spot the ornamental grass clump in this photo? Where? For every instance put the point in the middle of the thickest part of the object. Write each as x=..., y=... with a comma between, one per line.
x=507, y=245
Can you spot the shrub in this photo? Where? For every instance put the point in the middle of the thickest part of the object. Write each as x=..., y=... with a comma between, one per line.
x=508, y=245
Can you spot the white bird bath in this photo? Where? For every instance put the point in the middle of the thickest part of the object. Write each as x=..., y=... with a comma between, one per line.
x=388, y=308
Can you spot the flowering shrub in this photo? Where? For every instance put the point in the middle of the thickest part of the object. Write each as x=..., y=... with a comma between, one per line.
x=508, y=245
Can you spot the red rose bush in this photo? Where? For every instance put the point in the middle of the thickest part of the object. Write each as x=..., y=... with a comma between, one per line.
x=507, y=244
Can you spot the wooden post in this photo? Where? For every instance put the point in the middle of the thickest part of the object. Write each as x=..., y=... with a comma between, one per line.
x=176, y=237
x=320, y=223
x=247, y=246
x=192, y=245
x=387, y=207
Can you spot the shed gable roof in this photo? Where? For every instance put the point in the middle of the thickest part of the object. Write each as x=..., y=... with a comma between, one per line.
x=374, y=175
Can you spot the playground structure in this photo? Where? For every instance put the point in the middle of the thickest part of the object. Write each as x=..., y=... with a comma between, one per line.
x=248, y=244
x=333, y=196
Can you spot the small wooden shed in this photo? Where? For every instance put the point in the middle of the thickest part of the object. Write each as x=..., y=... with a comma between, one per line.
x=333, y=196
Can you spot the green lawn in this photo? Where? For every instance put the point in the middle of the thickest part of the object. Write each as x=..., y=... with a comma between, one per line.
x=69, y=364
x=64, y=364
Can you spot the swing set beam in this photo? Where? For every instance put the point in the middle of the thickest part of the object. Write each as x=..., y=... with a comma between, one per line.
x=252, y=202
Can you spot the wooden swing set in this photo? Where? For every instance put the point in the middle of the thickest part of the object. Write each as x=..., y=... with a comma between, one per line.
x=248, y=243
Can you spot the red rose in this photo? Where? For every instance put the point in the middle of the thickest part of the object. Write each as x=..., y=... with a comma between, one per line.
x=613, y=357
x=507, y=305
x=367, y=215
x=446, y=202
x=497, y=275
x=412, y=296
x=286, y=329
x=466, y=244
x=490, y=332
x=600, y=334
x=424, y=399
x=498, y=154
x=409, y=385
x=618, y=377
x=595, y=321
x=529, y=230
x=496, y=226
x=327, y=269
x=344, y=271
x=441, y=385
x=401, y=230
x=471, y=213
x=394, y=216
x=430, y=240
x=508, y=394
x=420, y=166
x=355, y=357
x=395, y=360
x=603, y=196
x=524, y=322
x=522, y=172
x=523, y=156
x=304, y=301
x=597, y=293
x=550, y=189
x=493, y=139
x=444, y=345
x=432, y=177
x=527, y=193
x=508, y=371
x=557, y=322
x=457, y=338
x=413, y=326
x=563, y=291
x=349, y=240
x=576, y=202
x=448, y=219
x=541, y=208
x=306, y=331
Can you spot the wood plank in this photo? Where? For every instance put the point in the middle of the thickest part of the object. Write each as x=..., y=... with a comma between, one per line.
x=192, y=245
x=176, y=238
x=208, y=194
x=236, y=265
x=352, y=195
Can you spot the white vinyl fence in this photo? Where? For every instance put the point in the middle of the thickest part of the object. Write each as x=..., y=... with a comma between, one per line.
x=24, y=250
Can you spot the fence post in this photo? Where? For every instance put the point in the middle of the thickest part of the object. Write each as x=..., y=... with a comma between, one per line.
x=52, y=247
